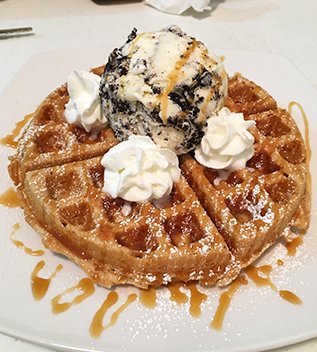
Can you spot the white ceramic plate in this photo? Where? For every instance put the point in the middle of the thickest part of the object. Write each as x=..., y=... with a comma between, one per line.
x=257, y=319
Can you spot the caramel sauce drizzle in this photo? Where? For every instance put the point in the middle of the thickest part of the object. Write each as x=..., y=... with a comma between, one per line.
x=173, y=77
x=176, y=294
x=254, y=274
x=292, y=245
x=196, y=299
x=10, y=198
x=114, y=317
x=306, y=124
x=9, y=140
x=260, y=275
x=85, y=285
x=280, y=262
x=40, y=285
x=307, y=139
x=207, y=101
x=290, y=297
x=21, y=245
x=148, y=297
x=224, y=302
x=134, y=43
x=96, y=326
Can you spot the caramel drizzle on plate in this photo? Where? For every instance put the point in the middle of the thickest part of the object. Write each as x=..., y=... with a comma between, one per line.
x=87, y=288
x=96, y=326
x=9, y=140
x=148, y=297
x=292, y=245
x=307, y=139
x=40, y=285
x=10, y=198
x=196, y=299
x=224, y=302
x=260, y=276
x=21, y=245
x=280, y=262
x=176, y=294
x=306, y=124
x=290, y=297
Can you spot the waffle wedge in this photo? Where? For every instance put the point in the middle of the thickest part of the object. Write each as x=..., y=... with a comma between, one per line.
x=50, y=140
x=252, y=207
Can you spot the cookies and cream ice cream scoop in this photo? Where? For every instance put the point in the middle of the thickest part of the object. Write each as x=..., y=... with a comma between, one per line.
x=163, y=85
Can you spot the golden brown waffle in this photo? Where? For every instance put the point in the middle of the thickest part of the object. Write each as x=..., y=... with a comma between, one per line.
x=59, y=180
x=252, y=207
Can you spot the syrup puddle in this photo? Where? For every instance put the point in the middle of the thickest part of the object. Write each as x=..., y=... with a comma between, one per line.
x=21, y=245
x=9, y=140
x=40, y=285
x=96, y=326
x=260, y=276
x=87, y=288
x=224, y=302
x=10, y=198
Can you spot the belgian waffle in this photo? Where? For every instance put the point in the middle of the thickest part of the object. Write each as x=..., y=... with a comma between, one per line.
x=208, y=230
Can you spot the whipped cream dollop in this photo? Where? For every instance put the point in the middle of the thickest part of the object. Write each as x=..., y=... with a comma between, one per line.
x=227, y=143
x=137, y=170
x=163, y=84
x=177, y=7
x=83, y=108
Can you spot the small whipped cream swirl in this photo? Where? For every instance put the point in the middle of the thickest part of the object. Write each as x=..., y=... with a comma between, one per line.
x=137, y=170
x=83, y=108
x=227, y=143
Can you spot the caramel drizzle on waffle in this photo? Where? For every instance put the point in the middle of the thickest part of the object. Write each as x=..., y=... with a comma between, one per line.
x=173, y=76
